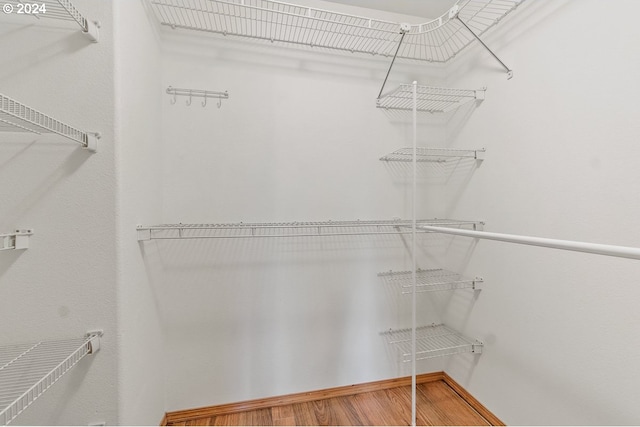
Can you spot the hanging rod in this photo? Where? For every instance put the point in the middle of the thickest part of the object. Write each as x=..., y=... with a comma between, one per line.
x=567, y=245
x=197, y=93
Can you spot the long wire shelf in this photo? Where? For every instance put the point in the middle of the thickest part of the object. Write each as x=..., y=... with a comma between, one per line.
x=433, y=155
x=28, y=370
x=431, y=280
x=14, y=241
x=293, y=229
x=432, y=341
x=17, y=117
x=53, y=9
x=429, y=99
x=437, y=40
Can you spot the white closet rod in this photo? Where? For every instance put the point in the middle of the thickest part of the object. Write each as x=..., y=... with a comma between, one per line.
x=567, y=245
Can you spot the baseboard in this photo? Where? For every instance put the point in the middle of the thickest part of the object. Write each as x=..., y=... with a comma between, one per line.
x=472, y=401
x=249, y=405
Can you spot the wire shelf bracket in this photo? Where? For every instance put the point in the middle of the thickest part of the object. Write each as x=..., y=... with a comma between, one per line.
x=55, y=9
x=432, y=341
x=433, y=155
x=15, y=241
x=431, y=280
x=28, y=370
x=437, y=40
x=293, y=229
x=17, y=117
x=197, y=93
x=429, y=99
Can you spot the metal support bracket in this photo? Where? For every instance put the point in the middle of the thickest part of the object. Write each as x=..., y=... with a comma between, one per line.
x=143, y=234
x=477, y=347
x=509, y=70
x=404, y=29
x=15, y=241
x=477, y=283
x=94, y=340
x=92, y=31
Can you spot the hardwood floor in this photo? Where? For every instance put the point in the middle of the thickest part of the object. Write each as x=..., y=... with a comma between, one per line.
x=438, y=404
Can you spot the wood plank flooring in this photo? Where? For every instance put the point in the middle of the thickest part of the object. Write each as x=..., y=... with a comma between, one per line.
x=438, y=404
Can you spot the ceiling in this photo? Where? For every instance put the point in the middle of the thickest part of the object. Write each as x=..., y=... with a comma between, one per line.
x=428, y=9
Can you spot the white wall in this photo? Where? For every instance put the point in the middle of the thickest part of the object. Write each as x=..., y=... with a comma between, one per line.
x=298, y=140
x=64, y=284
x=138, y=165
x=562, y=149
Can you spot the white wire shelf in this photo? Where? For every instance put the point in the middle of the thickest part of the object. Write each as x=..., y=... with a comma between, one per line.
x=14, y=241
x=17, y=117
x=432, y=341
x=28, y=370
x=429, y=99
x=293, y=229
x=438, y=40
x=431, y=280
x=433, y=155
x=53, y=9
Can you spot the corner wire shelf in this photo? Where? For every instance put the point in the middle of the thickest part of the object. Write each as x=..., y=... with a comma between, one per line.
x=28, y=370
x=54, y=9
x=14, y=241
x=437, y=40
x=17, y=117
x=432, y=341
x=429, y=99
x=433, y=155
x=431, y=280
x=293, y=229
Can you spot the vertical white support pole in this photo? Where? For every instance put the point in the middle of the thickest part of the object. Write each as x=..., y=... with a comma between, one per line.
x=413, y=255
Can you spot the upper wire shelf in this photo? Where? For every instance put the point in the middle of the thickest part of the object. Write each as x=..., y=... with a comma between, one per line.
x=28, y=370
x=17, y=117
x=432, y=341
x=293, y=229
x=437, y=40
x=54, y=9
x=14, y=241
x=430, y=280
x=429, y=99
x=433, y=155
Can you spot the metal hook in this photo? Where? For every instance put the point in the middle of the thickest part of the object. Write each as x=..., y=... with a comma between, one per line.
x=204, y=103
x=189, y=101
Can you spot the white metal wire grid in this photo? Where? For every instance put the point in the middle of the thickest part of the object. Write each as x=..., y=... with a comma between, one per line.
x=17, y=117
x=28, y=370
x=54, y=9
x=431, y=280
x=432, y=341
x=432, y=155
x=429, y=99
x=437, y=40
x=291, y=229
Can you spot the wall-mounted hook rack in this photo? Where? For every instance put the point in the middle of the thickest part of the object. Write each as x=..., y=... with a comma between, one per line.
x=197, y=93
